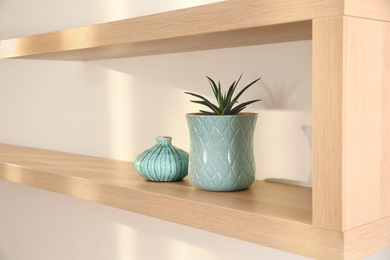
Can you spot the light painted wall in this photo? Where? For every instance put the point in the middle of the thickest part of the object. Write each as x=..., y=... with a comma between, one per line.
x=102, y=108
x=115, y=109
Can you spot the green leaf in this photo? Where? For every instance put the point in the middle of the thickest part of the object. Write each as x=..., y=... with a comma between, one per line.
x=227, y=110
x=228, y=95
x=232, y=89
x=207, y=112
x=205, y=102
x=241, y=106
x=225, y=100
x=208, y=104
x=220, y=97
x=213, y=86
x=243, y=90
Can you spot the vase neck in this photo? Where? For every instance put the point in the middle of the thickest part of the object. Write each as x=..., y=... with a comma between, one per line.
x=164, y=140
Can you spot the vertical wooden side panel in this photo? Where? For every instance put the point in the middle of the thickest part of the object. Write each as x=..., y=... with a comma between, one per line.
x=385, y=121
x=351, y=107
x=365, y=106
x=327, y=122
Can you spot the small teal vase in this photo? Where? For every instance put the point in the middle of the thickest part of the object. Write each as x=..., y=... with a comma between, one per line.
x=221, y=153
x=162, y=162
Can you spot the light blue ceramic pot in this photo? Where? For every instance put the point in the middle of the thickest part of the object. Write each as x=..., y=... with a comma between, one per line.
x=221, y=153
x=162, y=162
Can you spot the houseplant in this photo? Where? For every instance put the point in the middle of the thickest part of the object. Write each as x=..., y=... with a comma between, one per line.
x=221, y=152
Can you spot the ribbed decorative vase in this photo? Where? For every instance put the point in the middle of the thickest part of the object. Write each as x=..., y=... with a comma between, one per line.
x=221, y=153
x=162, y=162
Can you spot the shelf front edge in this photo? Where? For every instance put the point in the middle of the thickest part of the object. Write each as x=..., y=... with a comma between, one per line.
x=178, y=30
x=292, y=236
x=285, y=235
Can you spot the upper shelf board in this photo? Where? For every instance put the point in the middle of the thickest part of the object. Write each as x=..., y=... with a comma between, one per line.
x=224, y=24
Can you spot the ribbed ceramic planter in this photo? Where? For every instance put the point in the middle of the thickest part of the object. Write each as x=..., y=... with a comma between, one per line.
x=162, y=162
x=221, y=153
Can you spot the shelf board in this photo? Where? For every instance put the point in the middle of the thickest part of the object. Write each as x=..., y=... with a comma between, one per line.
x=37, y=47
x=285, y=202
x=271, y=214
x=230, y=23
x=219, y=25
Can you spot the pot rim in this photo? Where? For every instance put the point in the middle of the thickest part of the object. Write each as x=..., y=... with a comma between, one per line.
x=206, y=115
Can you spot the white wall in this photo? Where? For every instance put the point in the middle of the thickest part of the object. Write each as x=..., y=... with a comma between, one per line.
x=115, y=109
x=102, y=108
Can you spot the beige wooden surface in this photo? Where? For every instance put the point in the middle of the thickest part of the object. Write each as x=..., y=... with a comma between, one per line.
x=201, y=27
x=372, y=9
x=251, y=36
x=269, y=199
x=269, y=214
x=367, y=240
x=385, y=123
x=351, y=131
x=327, y=122
x=365, y=124
x=346, y=217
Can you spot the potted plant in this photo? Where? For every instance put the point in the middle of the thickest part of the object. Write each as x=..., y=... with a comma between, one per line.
x=221, y=153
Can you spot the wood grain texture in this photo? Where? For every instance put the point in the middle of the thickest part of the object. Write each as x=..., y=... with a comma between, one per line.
x=280, y=201
x=327, y=122
x=365, y=165
x=269, y=214
x=201, y=27
x=344, y=216
x=385, y=122
x=373, y=9
x=236, y=38
x=350, y=108
x=367, y=240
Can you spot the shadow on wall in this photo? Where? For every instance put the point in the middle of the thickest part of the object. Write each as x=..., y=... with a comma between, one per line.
x=116, y=108
x=283, y=146
x=284, y=133
x=145, y=99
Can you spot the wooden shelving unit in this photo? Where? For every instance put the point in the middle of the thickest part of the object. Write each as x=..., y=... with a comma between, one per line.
x=115, y=183
x=346, y=215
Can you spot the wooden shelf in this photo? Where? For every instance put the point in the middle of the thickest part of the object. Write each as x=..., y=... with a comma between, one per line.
x=224, y=24
x=286, y=202
x=271, y=214
x=346, y=215
x=220, y=25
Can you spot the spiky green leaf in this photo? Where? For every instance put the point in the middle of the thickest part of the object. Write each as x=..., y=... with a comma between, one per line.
x=204, y=101
x=232, y=89
x=228, y=108
x=213, y=87
x=207, y=112
x=244, y=89
x=225, y=101
x=242, y=106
